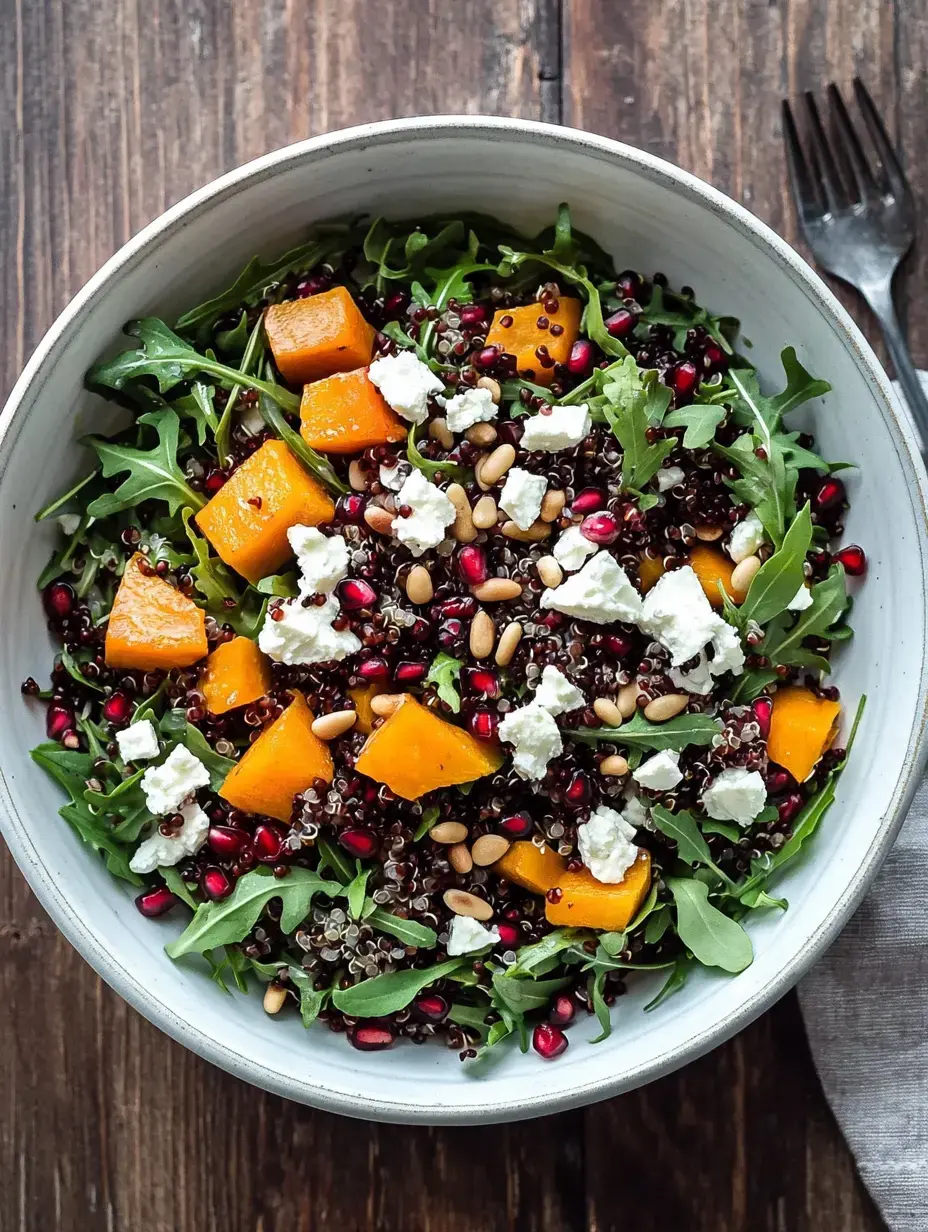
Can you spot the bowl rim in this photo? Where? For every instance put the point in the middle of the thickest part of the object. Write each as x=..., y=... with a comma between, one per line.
x=477, y=1108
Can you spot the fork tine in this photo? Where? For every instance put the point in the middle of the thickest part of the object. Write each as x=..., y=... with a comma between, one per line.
x=895, y=177
x=824, y=168
x=848, y=144
x=808, y=205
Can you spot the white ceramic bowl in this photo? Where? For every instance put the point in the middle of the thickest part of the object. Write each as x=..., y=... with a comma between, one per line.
x=649, y=215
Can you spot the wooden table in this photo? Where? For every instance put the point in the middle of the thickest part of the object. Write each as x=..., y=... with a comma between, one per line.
x=112, y=110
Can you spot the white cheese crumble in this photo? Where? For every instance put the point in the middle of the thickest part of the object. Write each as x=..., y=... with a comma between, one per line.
x=406, y=383
x=69, y=522
x=563, y=428
x=556, y=693
x=605, y=845
x=252, y=420
x=138, y=742
x=677, y=614
x=432, y=512
x=634, y=809
x=727, y=656
x=167, y=786
x=467, y=936
x=746, y=538
x=668, y=477
x=600, y=592
x=321, y=559
x=471, y=407
x=522, y=495
x=573, y=549
x=160, y=850
x=735, y=795
x=659, y=773
x=305, y=634
x=393, y=477
x=800, y=600
x=533, y=733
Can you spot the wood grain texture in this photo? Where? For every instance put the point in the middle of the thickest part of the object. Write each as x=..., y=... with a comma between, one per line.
x=109, y=111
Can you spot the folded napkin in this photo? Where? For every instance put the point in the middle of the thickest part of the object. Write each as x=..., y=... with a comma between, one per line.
x=866, y=1014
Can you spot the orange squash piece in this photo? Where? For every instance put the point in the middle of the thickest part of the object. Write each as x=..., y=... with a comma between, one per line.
x=712, y=566
x=415, y=752
x=152, y=625
x=284, y=760
x=524, y=336
x=235, y=674
x=347, y=413
x=533, y=868
x=650, y=570
x=802, y=727
x=248, y=518
x=312, y=338
x=362, y=697
x=588, y=903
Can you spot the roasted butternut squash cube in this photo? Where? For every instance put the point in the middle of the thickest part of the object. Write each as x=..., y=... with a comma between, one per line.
x=588, y=903
x=248, y=518
x=152, y=625
x=312, y=338
x=712, y=566
x=802, y=728
x=650, y=570
x=362, y=696
x=414, y=752
x=533, y=868
x=347, y=413
x=235, y=674
x=524, y=336
x=284, y=760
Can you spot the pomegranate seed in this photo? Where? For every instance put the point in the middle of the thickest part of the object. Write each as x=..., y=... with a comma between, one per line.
x=582, y=358
x=226, y=841
x=472, y=314
x=854, y=560
x=431, y=1007
x=621, y=323
x=549, y=1041
x=579, y=792
x=396, y=303
x=517, y=825
x=508, y=934
x=420, y=630
x=778, y=780
x=358, y=842
x=683, y=379
x=214, y=480
x=58, y=599
x=600, y=528
x=117, y=708
x=370, y=1039
x=58, y=720
x=374, y=669
x=831, y=495
x=311, y=285
x=472, y=565
x=790, y=807
x=349, y=508
x=410, y=673
x=156, y=902
x=479, y=680
x=587, y=501
x=460, y=605
x=354, y=593
x=714, y=357
x=563, y=1009
x=483, y=724
x=266, y=844
x=487, y=357
x=763, y=709
x=618, y=645
x=449, y=634
x=216, y=884
x=628, y=284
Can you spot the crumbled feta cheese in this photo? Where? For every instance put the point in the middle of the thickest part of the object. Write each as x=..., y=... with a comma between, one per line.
x=393, y=477
x=69, y=522
x=556, y=693
x=471, y=407
x=305, y=634
x=534, y=735
x=573, y=549
x=406, y=383
x=563, y=428
x=634, y=809
x=698, y=680
x=800, y=600
x=522, y=495
x=668, y=477
x=467, y=936
x=677, y=614
x=605, y=845
x=252, y=420
x=138, y=742
x=659, y=773
x=746, y=538
x=431, y=513
x=167, y=786
x=735, y=795
x=727, y=656
x=600, y=592
x=321, y=559
x=161, y=850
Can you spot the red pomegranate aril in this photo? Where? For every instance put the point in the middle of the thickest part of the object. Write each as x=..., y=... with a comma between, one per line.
x=854, y=560
x=349, y=508
x=763, y=709
x=618, y=645
x=714, y=356
x=472, y=314
x=396, y=303
x=420, y=630
x=563, y=1009
x=479, y=680
x=216, y=884
x=58, y=599
x=358, y=842
x=831, y=495
x=450, y=633
x=370, y=1039
x=628, y=284
x=487, y=357
x=790, y=807
x=778, y=780
x=156, y=902
x=353, y=593
x=590, y=500
x=517, y=825
x=582, y=358
x=621, y=323
x=410, y=673
x=463, y=606
x=117, y=708
x=374, y=669
x=579, y=792
x=472, y=565
x=483, y=724
x=508, y=934
x=683, y=379
x=213, y=482
x=311, y=285
x=58, y=720
x=431, y=1007
x=266, y=844
x=226, y=841
x=549, y=1041
x=600, y=528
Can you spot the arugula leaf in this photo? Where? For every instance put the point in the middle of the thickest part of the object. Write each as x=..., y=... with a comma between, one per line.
x=597, y=985
x=683, y=829
x=714, y=938
x=681, y=313
x=314, y=462
x=333, y=857
x=829, y=600
x=392, y=991
x=152, y=474
x=777, y=581
x=657, y=925
x=444, y=673
x=312, y=1000
x=72, y=667
x=749, y=404
x=234, y=341
x=472, y=1017
x=453, y=471
x=675, y=734
x=53, y=506
x=523, y=995
x=356, y=890
x=219, y=767
x=532, y=959
x=700, y=420
x=251, y=359
x=410, y=932
x=429, y=817
x=675, y=981
x=636, y=401
x=198, y=405
x=766, y=483
x=176, y=884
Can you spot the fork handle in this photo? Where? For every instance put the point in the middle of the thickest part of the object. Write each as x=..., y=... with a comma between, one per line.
x=880, y=298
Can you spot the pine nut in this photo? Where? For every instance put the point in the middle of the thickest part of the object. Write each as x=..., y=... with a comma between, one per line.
x=663, y=708
x=481, y=434
x=508, y=641
x=482, y=635
x=615, y=765
x=460, y=858
x=462, y=527
x=274, y=997
x=487, y=382
x=552, y=505
x=627, y=699
x=419, y=588
x=743, y=574
x=608, y=711
x=536, y=532
x=497, y=464
x=357, y=477
x=489, y=848
x=439, y=431
x=449, y=832
x=496, y=590
x=709, y=534
x=485, y=513
x=385, y=704
x=378, y=520
x=328, y=726
x=462, y=903
x=550, y=571
x=478, y=473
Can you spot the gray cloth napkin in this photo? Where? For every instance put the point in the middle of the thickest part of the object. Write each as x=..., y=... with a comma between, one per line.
x=866, y=1016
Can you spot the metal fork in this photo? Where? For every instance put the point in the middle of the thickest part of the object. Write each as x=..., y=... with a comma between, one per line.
x=857, y=215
